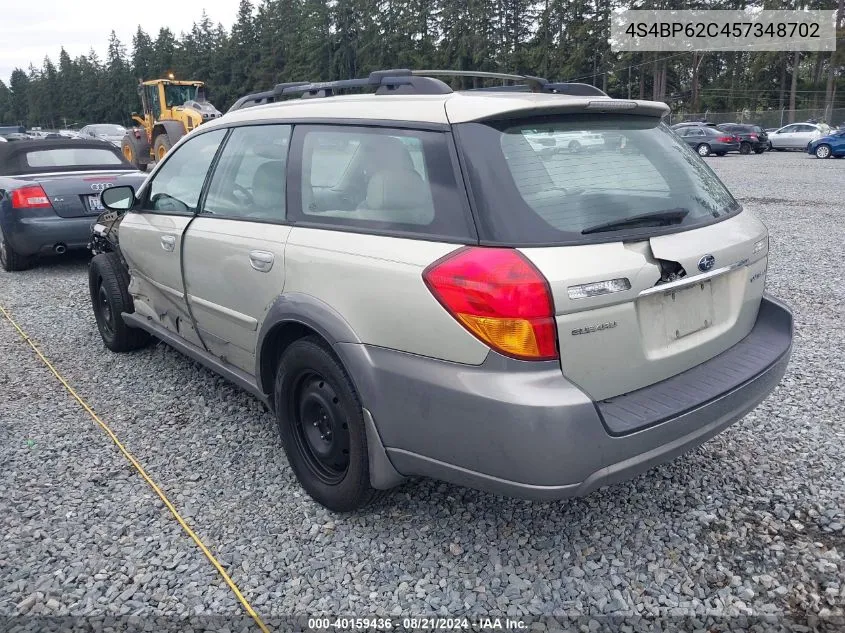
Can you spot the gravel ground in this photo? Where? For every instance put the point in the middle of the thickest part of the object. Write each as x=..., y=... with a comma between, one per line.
x=753, y=522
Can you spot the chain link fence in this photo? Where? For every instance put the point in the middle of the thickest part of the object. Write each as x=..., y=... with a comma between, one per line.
x=763, y=118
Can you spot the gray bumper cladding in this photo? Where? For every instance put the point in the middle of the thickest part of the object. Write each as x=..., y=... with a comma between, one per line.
x=768, y=341
x=521, y=429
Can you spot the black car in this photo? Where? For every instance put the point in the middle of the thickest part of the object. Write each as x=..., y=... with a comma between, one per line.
x=50, y=195
x=752, y=138
x=708, y=140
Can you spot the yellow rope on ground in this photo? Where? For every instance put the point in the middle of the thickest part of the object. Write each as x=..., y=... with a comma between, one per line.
x=246, y=605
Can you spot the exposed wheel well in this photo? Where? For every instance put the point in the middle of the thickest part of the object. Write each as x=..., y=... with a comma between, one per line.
x=276, y=342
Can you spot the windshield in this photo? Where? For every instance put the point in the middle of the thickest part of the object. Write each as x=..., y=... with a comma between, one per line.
x=178, y=95
x=109, y=130
x=597, y=170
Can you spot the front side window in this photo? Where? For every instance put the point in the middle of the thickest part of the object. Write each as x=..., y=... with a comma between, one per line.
x=249, y=180
x=176, y=187
x=380, y=179
x=177, y=95
x=639, y=180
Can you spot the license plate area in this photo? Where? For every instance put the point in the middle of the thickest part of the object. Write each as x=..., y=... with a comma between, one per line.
x=687, y=310
x=95, y=205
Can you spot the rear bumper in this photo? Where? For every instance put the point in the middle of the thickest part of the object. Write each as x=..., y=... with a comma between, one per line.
x=39, y=233
x=521, y=429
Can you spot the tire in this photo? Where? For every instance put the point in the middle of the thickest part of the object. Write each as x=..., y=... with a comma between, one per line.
x=745, y=148
x=108, y=283
x=703, y=149
x=135, y=151
x=11, y=260
x=823, y=151
x=321, y=424
x=759, y=150
x=161, y=146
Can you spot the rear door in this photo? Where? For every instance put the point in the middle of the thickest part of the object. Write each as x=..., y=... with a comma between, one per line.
x=234, y=251
x=803, y=135
x=151, y=235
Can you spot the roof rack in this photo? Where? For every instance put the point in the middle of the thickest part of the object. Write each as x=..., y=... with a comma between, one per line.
x=406, y=81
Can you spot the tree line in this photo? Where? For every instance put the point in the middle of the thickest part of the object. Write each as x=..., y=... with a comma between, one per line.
x=296, y=40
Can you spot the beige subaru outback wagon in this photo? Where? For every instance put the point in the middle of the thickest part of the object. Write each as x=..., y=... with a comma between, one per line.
x=416, y=285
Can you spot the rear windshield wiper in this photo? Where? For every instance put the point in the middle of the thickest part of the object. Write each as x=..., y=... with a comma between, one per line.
x=653, y=218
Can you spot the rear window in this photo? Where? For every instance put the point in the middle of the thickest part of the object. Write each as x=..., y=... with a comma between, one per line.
x=72, y=157
x=598, y=171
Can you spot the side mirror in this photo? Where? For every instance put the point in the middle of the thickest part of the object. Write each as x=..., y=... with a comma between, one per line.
x=118, y=198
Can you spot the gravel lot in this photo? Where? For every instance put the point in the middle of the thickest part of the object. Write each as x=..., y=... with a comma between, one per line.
x=753, y=522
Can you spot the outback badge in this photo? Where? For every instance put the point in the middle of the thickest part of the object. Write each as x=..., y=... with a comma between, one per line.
x=706, y=263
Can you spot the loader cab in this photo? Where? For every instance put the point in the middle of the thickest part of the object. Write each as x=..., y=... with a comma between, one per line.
x=153, y=105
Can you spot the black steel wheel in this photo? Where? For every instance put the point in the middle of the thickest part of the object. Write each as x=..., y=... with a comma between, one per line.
x=321, y=423
x=321, y=430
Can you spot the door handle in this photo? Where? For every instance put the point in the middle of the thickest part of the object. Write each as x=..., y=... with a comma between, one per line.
x=168, y=242
x=262, y=261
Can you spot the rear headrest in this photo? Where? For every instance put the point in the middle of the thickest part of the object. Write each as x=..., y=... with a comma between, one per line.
x=387, y=152
x=268, y=184
x=273, y=151
x=526, y=166
x=397, y=189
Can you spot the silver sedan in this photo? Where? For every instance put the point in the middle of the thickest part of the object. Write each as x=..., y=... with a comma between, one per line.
x=795, y=136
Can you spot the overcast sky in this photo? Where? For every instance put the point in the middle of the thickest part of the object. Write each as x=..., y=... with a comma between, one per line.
x=31, y=29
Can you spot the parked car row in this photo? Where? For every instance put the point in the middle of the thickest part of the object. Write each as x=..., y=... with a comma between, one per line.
x=719, y=139
x=104, y=132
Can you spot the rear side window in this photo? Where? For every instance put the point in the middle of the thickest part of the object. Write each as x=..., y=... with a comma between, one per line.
x=249, y=180
x=379, y=180
x=73, y=157
x=599, y=171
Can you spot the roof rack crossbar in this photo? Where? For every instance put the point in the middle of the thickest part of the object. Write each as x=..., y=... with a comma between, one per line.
x=267, y=96
x=534, y=82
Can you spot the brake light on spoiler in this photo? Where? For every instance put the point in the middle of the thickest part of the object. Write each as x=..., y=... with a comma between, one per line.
x=33, y=197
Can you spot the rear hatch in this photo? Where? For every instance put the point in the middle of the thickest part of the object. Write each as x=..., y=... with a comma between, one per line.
x=653, y=266
x=76, y=194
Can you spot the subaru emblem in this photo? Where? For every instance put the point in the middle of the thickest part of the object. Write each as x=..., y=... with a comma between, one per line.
x=706, y=263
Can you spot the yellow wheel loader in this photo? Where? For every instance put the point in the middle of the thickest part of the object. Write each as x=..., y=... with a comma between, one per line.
x=171, y=109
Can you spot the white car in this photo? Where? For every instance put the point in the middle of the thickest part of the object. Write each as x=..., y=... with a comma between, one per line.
x=551, y=141
x=795, y=136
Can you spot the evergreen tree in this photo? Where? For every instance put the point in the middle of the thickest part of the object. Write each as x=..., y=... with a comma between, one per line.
x=143, y=56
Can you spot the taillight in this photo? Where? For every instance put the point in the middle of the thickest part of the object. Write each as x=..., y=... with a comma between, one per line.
x=499, y=296
x=726, y=139
x=30, y=198
x=753, y=137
